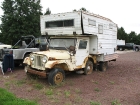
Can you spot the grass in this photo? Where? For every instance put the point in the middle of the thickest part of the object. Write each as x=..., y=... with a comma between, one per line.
x=115, y=102
x=94, y=81
x=94, y=103
x=38, y=86
x=111, y=82
x=67, y=93
x=77, y=90
x=20, y=82
x=97, y=89
x=49, y=92
x=7, y=98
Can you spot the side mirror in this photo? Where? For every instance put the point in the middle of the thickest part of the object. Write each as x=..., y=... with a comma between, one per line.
x=43, y=43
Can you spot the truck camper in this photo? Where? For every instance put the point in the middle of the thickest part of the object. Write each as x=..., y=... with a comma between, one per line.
x=79, y=41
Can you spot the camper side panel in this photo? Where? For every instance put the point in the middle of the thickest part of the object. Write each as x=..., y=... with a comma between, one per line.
x=61, y=24
x=105, y=30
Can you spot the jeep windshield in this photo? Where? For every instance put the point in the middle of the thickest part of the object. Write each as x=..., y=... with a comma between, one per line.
x=61, y=44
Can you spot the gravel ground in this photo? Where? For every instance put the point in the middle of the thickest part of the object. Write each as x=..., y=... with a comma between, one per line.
x=119, y=85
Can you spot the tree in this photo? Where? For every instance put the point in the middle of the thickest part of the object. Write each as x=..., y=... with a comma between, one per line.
x=121, y=34
x=21, y=17
x=48, y=12
x=132, y=37
x=74, y=10
x=83, y=9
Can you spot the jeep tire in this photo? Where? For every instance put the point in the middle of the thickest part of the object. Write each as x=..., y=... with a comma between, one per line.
x=56, y=76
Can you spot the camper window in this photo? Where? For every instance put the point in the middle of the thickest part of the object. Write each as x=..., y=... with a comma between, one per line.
x=68, y=23
x=100, y=29
x=83, y=44
x=110, y=26
x=91, y=22
x=60, y=23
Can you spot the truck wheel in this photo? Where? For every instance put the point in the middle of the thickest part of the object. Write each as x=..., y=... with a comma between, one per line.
x=89, y=68
x=136, y=49
x=56, y=76
x=121, y=49
x=103, y=66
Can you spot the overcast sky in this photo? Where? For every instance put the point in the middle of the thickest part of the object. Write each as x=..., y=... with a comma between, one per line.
x=125, y=13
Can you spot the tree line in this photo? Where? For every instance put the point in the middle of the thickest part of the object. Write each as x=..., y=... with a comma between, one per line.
x=131, y=37
x=22, y=17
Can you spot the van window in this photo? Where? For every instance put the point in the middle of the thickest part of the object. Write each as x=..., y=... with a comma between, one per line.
x=83, y=44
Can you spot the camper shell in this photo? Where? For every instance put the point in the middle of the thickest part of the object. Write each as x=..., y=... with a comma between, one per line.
x=103, y=30
x=79, y=41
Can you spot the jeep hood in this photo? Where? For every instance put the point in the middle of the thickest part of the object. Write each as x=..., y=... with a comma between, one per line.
x=57, y=54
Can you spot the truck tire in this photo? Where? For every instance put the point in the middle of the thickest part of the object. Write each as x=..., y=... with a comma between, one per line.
x=103, y=66
x=88, y=68
x=121, y=49
x=56, y=76
x=136, y=49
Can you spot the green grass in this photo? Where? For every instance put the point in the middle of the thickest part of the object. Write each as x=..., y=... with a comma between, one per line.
x=67, y=93
x=97, y=89
x=94, y=103
x=20, y=82
x=38, y=86
x=111, y=82
x=7, y=98
x=115, y=102
x=49, y=92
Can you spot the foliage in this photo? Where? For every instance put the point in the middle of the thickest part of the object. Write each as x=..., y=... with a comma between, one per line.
x=21, y=17
x=48, y=12
x=7, y=98
x=132, y=37
x=84, y=9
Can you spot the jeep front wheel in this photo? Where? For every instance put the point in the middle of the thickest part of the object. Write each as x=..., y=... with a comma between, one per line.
x=56, y=76
x=89, y=67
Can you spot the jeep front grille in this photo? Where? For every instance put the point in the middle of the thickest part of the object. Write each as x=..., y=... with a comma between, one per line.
x=37, y=63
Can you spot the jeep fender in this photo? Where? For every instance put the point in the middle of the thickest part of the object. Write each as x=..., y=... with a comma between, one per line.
x=59, y=63
x=27, y=61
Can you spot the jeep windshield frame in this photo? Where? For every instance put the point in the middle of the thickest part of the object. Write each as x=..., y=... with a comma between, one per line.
x=62, y=43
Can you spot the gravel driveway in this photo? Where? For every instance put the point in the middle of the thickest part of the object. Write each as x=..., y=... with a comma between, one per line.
x=119, y=85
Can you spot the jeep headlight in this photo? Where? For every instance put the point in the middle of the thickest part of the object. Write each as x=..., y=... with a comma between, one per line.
x=32, y=57
x=44, y=59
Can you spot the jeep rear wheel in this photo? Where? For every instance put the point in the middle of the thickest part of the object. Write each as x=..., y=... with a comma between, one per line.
x=56, y=76
x=89, y=68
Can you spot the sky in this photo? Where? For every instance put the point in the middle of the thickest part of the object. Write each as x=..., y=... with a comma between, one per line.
x=122, y=12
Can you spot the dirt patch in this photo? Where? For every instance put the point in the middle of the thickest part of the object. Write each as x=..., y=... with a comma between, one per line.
x=119, y=84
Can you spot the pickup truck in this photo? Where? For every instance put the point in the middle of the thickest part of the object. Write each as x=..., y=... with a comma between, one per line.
x=23, y=48
x=128, y=46
x=3, y=46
